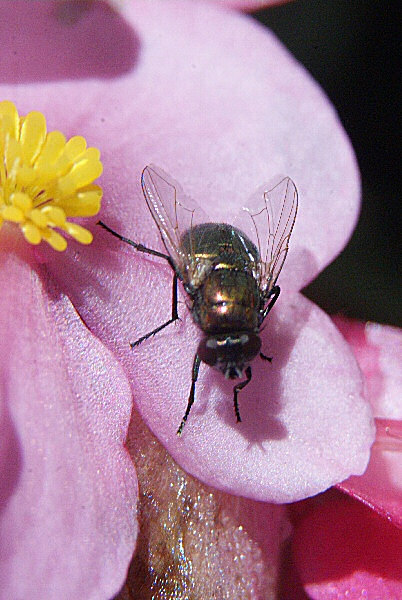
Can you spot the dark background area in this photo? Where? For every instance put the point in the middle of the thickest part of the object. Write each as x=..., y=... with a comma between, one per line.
x=351, y=49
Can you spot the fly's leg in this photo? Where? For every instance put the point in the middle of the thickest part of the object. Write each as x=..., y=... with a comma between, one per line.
x=194, y=377
x=272, y=297
x=139, y=247
x=236, y=391
x=142, y=248
x=174, y=318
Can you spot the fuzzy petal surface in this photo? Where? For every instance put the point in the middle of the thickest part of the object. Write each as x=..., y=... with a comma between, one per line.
x=209, y=95
x=378, y=349
x=215, y=100
x=68, y=488
x=343, y=550
x=305, y=423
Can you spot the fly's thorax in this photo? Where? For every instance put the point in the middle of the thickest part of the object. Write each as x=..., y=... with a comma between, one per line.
x=229, y=353
x=228, y=300
x=212, y=240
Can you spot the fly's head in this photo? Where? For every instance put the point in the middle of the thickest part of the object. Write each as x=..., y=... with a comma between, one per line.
x=229, y=353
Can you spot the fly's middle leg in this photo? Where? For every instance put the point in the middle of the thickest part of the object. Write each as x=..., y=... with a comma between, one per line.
x=174, y=317
x=146, y=250
x=236, y=391
x=194, y=377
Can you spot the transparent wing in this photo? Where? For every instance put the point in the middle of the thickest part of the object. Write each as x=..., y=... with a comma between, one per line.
x=270, y=229
x=173, y=213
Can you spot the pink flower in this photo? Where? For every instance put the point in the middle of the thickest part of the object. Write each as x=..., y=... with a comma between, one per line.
x=378, y=350
x=161, y=83
x=341, y=548
x=68, y=489
x=222, y=123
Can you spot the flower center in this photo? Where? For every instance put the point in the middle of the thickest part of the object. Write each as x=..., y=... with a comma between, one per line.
x=45, y=179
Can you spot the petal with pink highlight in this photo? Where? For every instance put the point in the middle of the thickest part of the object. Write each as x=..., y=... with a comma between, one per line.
x=68, y=489
x=380, y=487
x=344, y=550
x=378, y=349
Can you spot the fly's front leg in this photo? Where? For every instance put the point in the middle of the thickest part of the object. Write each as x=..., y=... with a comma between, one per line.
x=236, y=391
x=139, y=247
x=194, y=377
x=146, y=250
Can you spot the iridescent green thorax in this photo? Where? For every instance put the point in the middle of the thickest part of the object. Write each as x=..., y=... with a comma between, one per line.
x=228, y=298
x=219, y=242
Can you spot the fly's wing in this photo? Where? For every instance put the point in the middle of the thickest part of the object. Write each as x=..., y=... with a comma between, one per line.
x=270, y=229
x=173, y=213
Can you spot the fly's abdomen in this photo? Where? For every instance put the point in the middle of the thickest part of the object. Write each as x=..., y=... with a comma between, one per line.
x=227, y=301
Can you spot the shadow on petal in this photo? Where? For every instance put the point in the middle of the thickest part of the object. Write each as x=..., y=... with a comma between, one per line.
x=48, y=41
x=10, y=456
x=262, y=399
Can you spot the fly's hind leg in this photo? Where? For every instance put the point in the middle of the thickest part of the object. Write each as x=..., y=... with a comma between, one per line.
x=236, y=391
x=142, y=248
x=194, y=377
x=272, y=297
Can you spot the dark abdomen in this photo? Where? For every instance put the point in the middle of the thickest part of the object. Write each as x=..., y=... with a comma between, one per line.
x=227, y=298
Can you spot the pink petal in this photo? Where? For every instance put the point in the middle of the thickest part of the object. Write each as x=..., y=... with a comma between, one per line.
x=344, y=550
x=305, y=425
x=209, y=95
x=68, y=490
x=258, y=529
x=381, y=485
x=291, y=587
x=378, y=349
x=304, y=421
x=222, y=117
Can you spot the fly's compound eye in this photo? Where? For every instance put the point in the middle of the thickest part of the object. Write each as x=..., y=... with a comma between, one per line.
x=208, y=351
x=251, y=345
x=242, y=346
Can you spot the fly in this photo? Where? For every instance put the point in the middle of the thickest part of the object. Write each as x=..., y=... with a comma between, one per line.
x=230, y=280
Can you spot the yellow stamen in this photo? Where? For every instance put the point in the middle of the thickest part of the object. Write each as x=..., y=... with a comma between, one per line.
x=31, y=232
x=33, y=134
x=45, y=179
